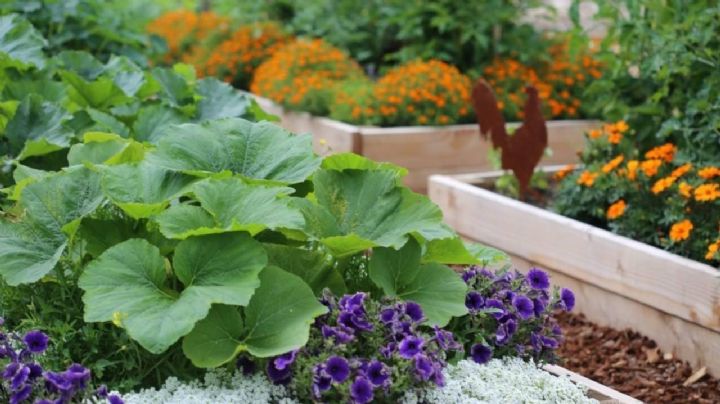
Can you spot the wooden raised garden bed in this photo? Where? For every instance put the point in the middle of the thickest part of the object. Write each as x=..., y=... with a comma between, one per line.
x=602, y=393
x=619, y=282
x=424, y=150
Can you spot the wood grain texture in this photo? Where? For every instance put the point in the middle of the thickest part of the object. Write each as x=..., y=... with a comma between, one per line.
x=620, y=282
x=600, y=392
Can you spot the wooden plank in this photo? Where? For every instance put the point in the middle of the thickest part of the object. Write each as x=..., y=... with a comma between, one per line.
x=600, y=392
x=683, y=287
x=665, y=282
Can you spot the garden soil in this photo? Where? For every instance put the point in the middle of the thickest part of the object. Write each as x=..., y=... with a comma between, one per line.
x=632, y=364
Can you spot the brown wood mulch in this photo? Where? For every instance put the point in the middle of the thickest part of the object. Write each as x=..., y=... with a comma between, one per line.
x=632, y=364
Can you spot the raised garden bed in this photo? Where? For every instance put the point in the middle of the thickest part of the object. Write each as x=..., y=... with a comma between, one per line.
x=620, y=282
x=424, y=150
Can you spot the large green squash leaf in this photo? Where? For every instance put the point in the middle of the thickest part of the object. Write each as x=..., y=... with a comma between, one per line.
x=313, y=267
x=455, y=251
x=101, y=94
x=277, y=320
x=80, y=62
x=346, y=161
x=143, y=190
x=27, y=253
x=254, y=150
x=220, y=100
x=20, y=44
x=153, y=119
x=128, y=76
x=105, y=148
x=437, y=288
x=37, y=128
x=233, y=206
x=58, y=202
x=369, y=210
x=175, y=88
x=128, y=282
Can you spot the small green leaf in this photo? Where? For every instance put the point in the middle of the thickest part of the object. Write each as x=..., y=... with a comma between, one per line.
x=27, y=253
x=220, y=100
x=37, y=128
x=438, y=289
x=20, y=44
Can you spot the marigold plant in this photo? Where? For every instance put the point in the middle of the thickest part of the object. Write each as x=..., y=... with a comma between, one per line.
x=235, y=59
x=423, y=93
x=184, y=30
x=300, y=75
x=655, y=195
x=560, y=83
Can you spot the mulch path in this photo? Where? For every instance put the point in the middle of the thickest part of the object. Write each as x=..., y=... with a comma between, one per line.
x=632, y=364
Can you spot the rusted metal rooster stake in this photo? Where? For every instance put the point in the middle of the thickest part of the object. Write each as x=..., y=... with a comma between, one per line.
x=522, y=151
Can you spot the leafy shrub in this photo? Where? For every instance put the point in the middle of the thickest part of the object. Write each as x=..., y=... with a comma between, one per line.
x=236, y=58
x=660, y=195
x=381, y=33
x=24, y=379
x=560, y=82
x=184, y=32
x=102, y=28
x=300, y=74
x=662, y=73
x=422, y=93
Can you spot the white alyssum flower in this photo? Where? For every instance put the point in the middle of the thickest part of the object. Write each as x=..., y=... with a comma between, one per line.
x=219, y=387
x=507, y=381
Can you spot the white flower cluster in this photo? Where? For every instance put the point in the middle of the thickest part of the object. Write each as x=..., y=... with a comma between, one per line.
x=506, y=381
x=498, y=382
x=219, y=387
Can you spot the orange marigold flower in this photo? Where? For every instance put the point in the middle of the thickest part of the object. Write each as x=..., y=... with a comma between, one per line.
x=621, y=126
x=595, y=133
x=650, y=167
x=709, y=172
x=682, y=170
x=615, y=137
x=707, y=192
x=616, y=210
x=685, y=189
x=563, y=172
x=662, y=184
x=665, y=152
x=612, y=164
x=681, y=230
x=587, y=178
x=632, y=167
x=712, y=250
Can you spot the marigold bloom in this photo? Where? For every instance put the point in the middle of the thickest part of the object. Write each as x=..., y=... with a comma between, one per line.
x=709, y=172
x=682, y=170
x=707, y=192
x=616, y=210
x=665, y=152
x=712, y=250
x=621, y=126
x=681, y=230
x=632, y=167
x=662, y=184
x=563, y=172
x=650, y=167
x=615, y=137
x=612, y=164
x=595, y=133
x=685, y=189
x=587, y=178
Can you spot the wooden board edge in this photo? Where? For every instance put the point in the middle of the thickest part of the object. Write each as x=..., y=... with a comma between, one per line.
x=596, y=390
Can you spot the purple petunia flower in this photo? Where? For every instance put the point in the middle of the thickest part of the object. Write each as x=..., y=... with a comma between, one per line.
x=352, y=303
x=377, y=373
x=388, y=315
x=414, y=311
x=568, y=298
x=102, y=391
x=411, y=346
x=548, y=342
x=56, y=382
x=481, y=353
x=361, y=390
x=10, y=370
x=337, y=368
x=423, y=367
x=468, y=275
x=20, y=377
x=536, y=342
x=278, y=376
x=321, y=384
x=35, y=370
x=285, y=360
x=445, y=339
x=539, y=305
x=388, y=350
x=114, y=399
x=77, y=374
x=36, y=341
x=524, y=306
x=474, y=301
x=495, y=304
x=538, y=279
x=21, y=395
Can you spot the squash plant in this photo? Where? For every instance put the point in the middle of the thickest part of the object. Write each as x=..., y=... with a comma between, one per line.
x=222, y=234
x=46, y=105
